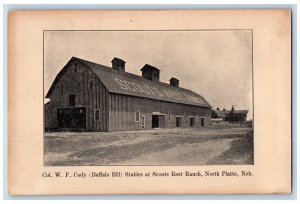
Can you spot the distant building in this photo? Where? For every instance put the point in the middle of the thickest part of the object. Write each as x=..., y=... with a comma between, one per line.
x=229, y=115
x=90, y=96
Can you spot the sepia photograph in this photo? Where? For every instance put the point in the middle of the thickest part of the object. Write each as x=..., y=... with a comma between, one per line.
x=148, y=97
x=105, y=102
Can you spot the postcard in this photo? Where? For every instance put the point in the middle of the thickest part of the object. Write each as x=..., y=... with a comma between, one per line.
x=149, y=102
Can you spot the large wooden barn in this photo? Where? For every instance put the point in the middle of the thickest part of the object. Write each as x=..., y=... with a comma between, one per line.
x=94, y=97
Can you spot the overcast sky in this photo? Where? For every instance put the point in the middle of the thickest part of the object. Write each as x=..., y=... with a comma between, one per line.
x=214, y=64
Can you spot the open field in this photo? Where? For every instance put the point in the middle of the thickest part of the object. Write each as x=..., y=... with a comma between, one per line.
x=151, y=147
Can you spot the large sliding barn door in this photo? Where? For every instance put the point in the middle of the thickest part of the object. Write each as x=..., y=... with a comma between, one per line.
x=74, y=118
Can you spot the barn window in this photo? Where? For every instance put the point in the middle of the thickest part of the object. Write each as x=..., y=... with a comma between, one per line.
x=91, y=85
x=169, y=117
x=137, y=116
x=202, y=122
x=97, y=115
x=192, y=121
x=178, y=121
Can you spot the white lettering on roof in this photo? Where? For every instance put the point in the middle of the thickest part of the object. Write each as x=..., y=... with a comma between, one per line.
x=120, y=82
x=141, y=88
x=156, y=91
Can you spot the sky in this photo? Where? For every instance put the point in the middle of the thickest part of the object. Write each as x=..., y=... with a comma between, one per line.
x=215, y=64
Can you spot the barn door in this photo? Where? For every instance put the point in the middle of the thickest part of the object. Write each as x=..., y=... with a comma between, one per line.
x=73, y=118
x=178, y=121
x=192, y=122
x=63, y=118
x=155, y=121
x=78, y=118
x=161, y=121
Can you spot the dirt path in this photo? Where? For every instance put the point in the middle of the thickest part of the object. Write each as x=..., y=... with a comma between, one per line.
x=198, y=153
x=154, y=147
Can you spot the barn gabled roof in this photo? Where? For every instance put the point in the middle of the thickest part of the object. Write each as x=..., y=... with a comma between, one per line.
x=130, y=84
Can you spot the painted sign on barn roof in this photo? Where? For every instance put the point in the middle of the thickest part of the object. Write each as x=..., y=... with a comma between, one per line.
x=133, y=85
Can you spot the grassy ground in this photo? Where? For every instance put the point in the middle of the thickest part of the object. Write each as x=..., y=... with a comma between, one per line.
x=152, y=147
x=241, y=152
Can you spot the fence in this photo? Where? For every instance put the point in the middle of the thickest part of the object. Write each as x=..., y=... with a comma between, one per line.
x=231, y=124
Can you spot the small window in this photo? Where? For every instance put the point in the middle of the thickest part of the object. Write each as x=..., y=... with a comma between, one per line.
x=137, y=116
x=91, y=85
x=97, y=115
x=54, y=111
x=202, y=122
x=169, y=117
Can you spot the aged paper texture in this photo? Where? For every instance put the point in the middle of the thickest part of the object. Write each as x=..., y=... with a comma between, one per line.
x=81, y=121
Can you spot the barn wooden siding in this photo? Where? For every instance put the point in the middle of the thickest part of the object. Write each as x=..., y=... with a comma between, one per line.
x=78, y=83
x=122, y=112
